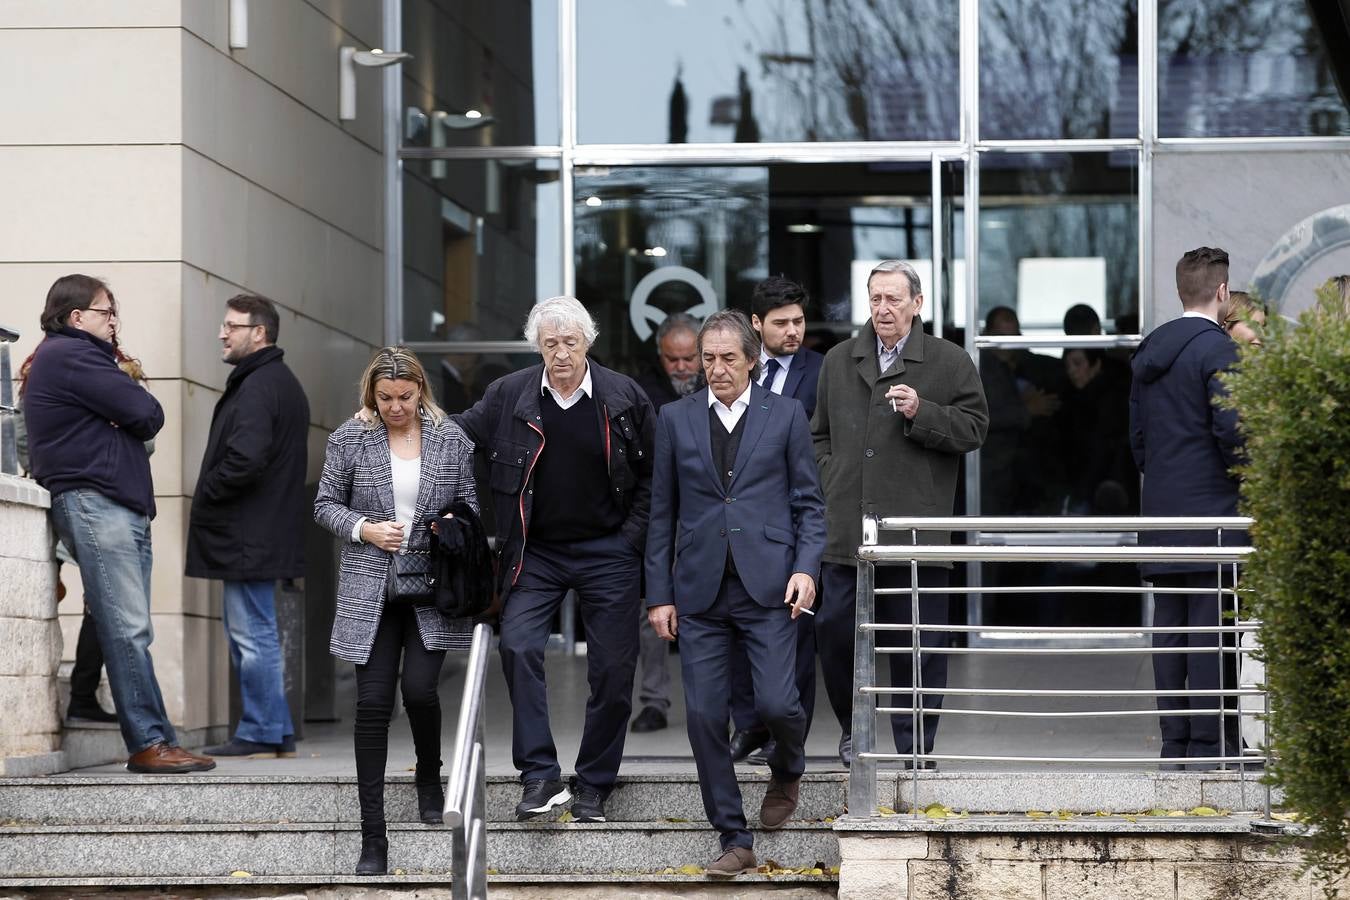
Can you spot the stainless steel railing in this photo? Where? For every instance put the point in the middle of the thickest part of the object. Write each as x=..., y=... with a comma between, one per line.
x=9, y=456
x=1033, y=540
x=466, y=796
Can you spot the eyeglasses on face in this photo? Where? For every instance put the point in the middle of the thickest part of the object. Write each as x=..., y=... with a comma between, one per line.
x=106, y=310
x=231, y=326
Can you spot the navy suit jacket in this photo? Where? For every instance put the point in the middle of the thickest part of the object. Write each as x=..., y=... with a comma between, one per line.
x=802, y=378
x=772, y=519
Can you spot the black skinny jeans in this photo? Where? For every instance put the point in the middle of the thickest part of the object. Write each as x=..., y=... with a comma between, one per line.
x=397, y=636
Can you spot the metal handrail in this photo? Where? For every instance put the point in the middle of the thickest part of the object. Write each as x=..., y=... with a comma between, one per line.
x=9, y=455
x=466, y=794
x=862, y=776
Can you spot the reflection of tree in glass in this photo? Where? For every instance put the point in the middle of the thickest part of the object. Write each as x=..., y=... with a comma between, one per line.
x=1245, y=67
x=1057, y=68
x=875, y=70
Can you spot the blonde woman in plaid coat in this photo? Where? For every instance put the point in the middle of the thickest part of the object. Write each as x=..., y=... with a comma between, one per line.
x=386, y=475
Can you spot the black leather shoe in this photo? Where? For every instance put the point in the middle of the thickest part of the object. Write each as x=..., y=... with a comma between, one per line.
x=846, y=748
x=746, y=741
x=650, y=719
x=89, y=711
x=924, y=764
x=762, y=756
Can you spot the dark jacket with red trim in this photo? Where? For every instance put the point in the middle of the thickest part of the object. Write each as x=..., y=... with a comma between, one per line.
x=506, y=427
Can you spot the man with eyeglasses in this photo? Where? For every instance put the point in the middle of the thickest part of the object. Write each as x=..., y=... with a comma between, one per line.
x=87, y=424
x=248, y=520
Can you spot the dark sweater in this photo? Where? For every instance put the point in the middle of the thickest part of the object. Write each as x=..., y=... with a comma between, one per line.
x=88, y=421
x=725, y=446
x=572, y=497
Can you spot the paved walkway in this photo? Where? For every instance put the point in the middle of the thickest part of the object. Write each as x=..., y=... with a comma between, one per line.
x=327, y=747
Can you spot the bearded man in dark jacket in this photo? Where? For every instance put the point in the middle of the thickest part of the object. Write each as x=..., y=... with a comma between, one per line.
x=249, y=514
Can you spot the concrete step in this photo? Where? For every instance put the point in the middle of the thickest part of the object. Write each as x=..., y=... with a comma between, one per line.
x=316, y=849
x=233, y=800
x=225, y=800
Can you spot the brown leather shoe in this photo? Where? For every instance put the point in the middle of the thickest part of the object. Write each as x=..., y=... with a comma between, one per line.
x=161, y=759
x=780, y=802
x=733, y=861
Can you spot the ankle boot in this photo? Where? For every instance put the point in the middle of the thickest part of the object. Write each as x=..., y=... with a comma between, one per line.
x=374, y=850
x=430, y=794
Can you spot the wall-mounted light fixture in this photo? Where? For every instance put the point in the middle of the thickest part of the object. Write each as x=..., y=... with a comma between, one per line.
x=443, y=122
x=348, y=59
x=238, y=24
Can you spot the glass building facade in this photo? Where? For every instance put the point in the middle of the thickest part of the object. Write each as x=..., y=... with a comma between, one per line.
x=652, y=156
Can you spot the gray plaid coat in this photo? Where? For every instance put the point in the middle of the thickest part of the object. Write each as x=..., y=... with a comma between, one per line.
x=357, y=482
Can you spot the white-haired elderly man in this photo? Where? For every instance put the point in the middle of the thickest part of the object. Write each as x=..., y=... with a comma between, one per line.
x=569, y=446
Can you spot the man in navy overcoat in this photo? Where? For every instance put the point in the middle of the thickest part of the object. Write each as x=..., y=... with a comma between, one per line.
x=734, y=544
x=1186, y=446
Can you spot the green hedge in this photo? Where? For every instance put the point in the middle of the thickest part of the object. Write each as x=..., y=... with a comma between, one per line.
x=1293, y=398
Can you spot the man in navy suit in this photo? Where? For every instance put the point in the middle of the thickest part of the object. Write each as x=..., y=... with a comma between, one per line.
x=778, y=313
x=1186, y=446
x=735, y=538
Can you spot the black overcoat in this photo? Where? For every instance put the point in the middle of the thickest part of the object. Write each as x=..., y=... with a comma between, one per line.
x=249, y=512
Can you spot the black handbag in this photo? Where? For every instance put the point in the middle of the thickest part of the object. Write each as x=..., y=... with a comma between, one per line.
x=412, y=578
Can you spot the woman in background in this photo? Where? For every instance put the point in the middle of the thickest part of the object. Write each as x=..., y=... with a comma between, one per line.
x=1243, y=317
x=386, y=476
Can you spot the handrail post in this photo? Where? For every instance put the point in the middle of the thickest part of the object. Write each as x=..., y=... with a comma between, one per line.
x=466, y=793
x=862, y=775
x=9, y=456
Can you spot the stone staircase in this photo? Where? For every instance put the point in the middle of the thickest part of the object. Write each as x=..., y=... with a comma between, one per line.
x=119, y=830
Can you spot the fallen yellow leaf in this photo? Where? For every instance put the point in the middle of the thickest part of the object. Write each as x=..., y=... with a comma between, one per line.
x=886, y=810
x=1171, y=813
x=695, y=870
x=240, y=873
x=1032, y=813
x=1200, y=810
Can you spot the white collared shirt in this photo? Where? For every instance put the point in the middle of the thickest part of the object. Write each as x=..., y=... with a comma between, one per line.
x=886, y=358
x=583, y=390
x=730, y=416
x=779, y=377
x=1194, y=314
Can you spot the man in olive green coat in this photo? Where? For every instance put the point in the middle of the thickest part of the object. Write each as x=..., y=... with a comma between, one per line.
x=895, y=410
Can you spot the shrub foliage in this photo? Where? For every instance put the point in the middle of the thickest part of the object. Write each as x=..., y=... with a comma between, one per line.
x=1293, y=398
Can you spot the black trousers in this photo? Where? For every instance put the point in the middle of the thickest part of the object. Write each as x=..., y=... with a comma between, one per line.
x=397, y=639
x=88, y=669
x=1193, y=735
x=835, y=628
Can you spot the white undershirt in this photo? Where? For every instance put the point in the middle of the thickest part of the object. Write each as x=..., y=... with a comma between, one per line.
x=407, y=473
x=730, y=415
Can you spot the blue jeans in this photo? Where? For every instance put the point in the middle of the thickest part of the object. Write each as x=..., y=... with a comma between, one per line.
x=112, y=544
x=250, y=615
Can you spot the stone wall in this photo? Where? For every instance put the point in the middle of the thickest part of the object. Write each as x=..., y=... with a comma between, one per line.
x=1015, y=858
x=30, y=636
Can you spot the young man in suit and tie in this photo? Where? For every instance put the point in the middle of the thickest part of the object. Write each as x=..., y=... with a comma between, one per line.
x=736, y=534
x=778, y=314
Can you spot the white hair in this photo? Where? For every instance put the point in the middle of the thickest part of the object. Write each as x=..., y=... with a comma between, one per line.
x=561, y=314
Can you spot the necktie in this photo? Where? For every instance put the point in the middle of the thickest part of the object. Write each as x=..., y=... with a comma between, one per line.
x=770, y=372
